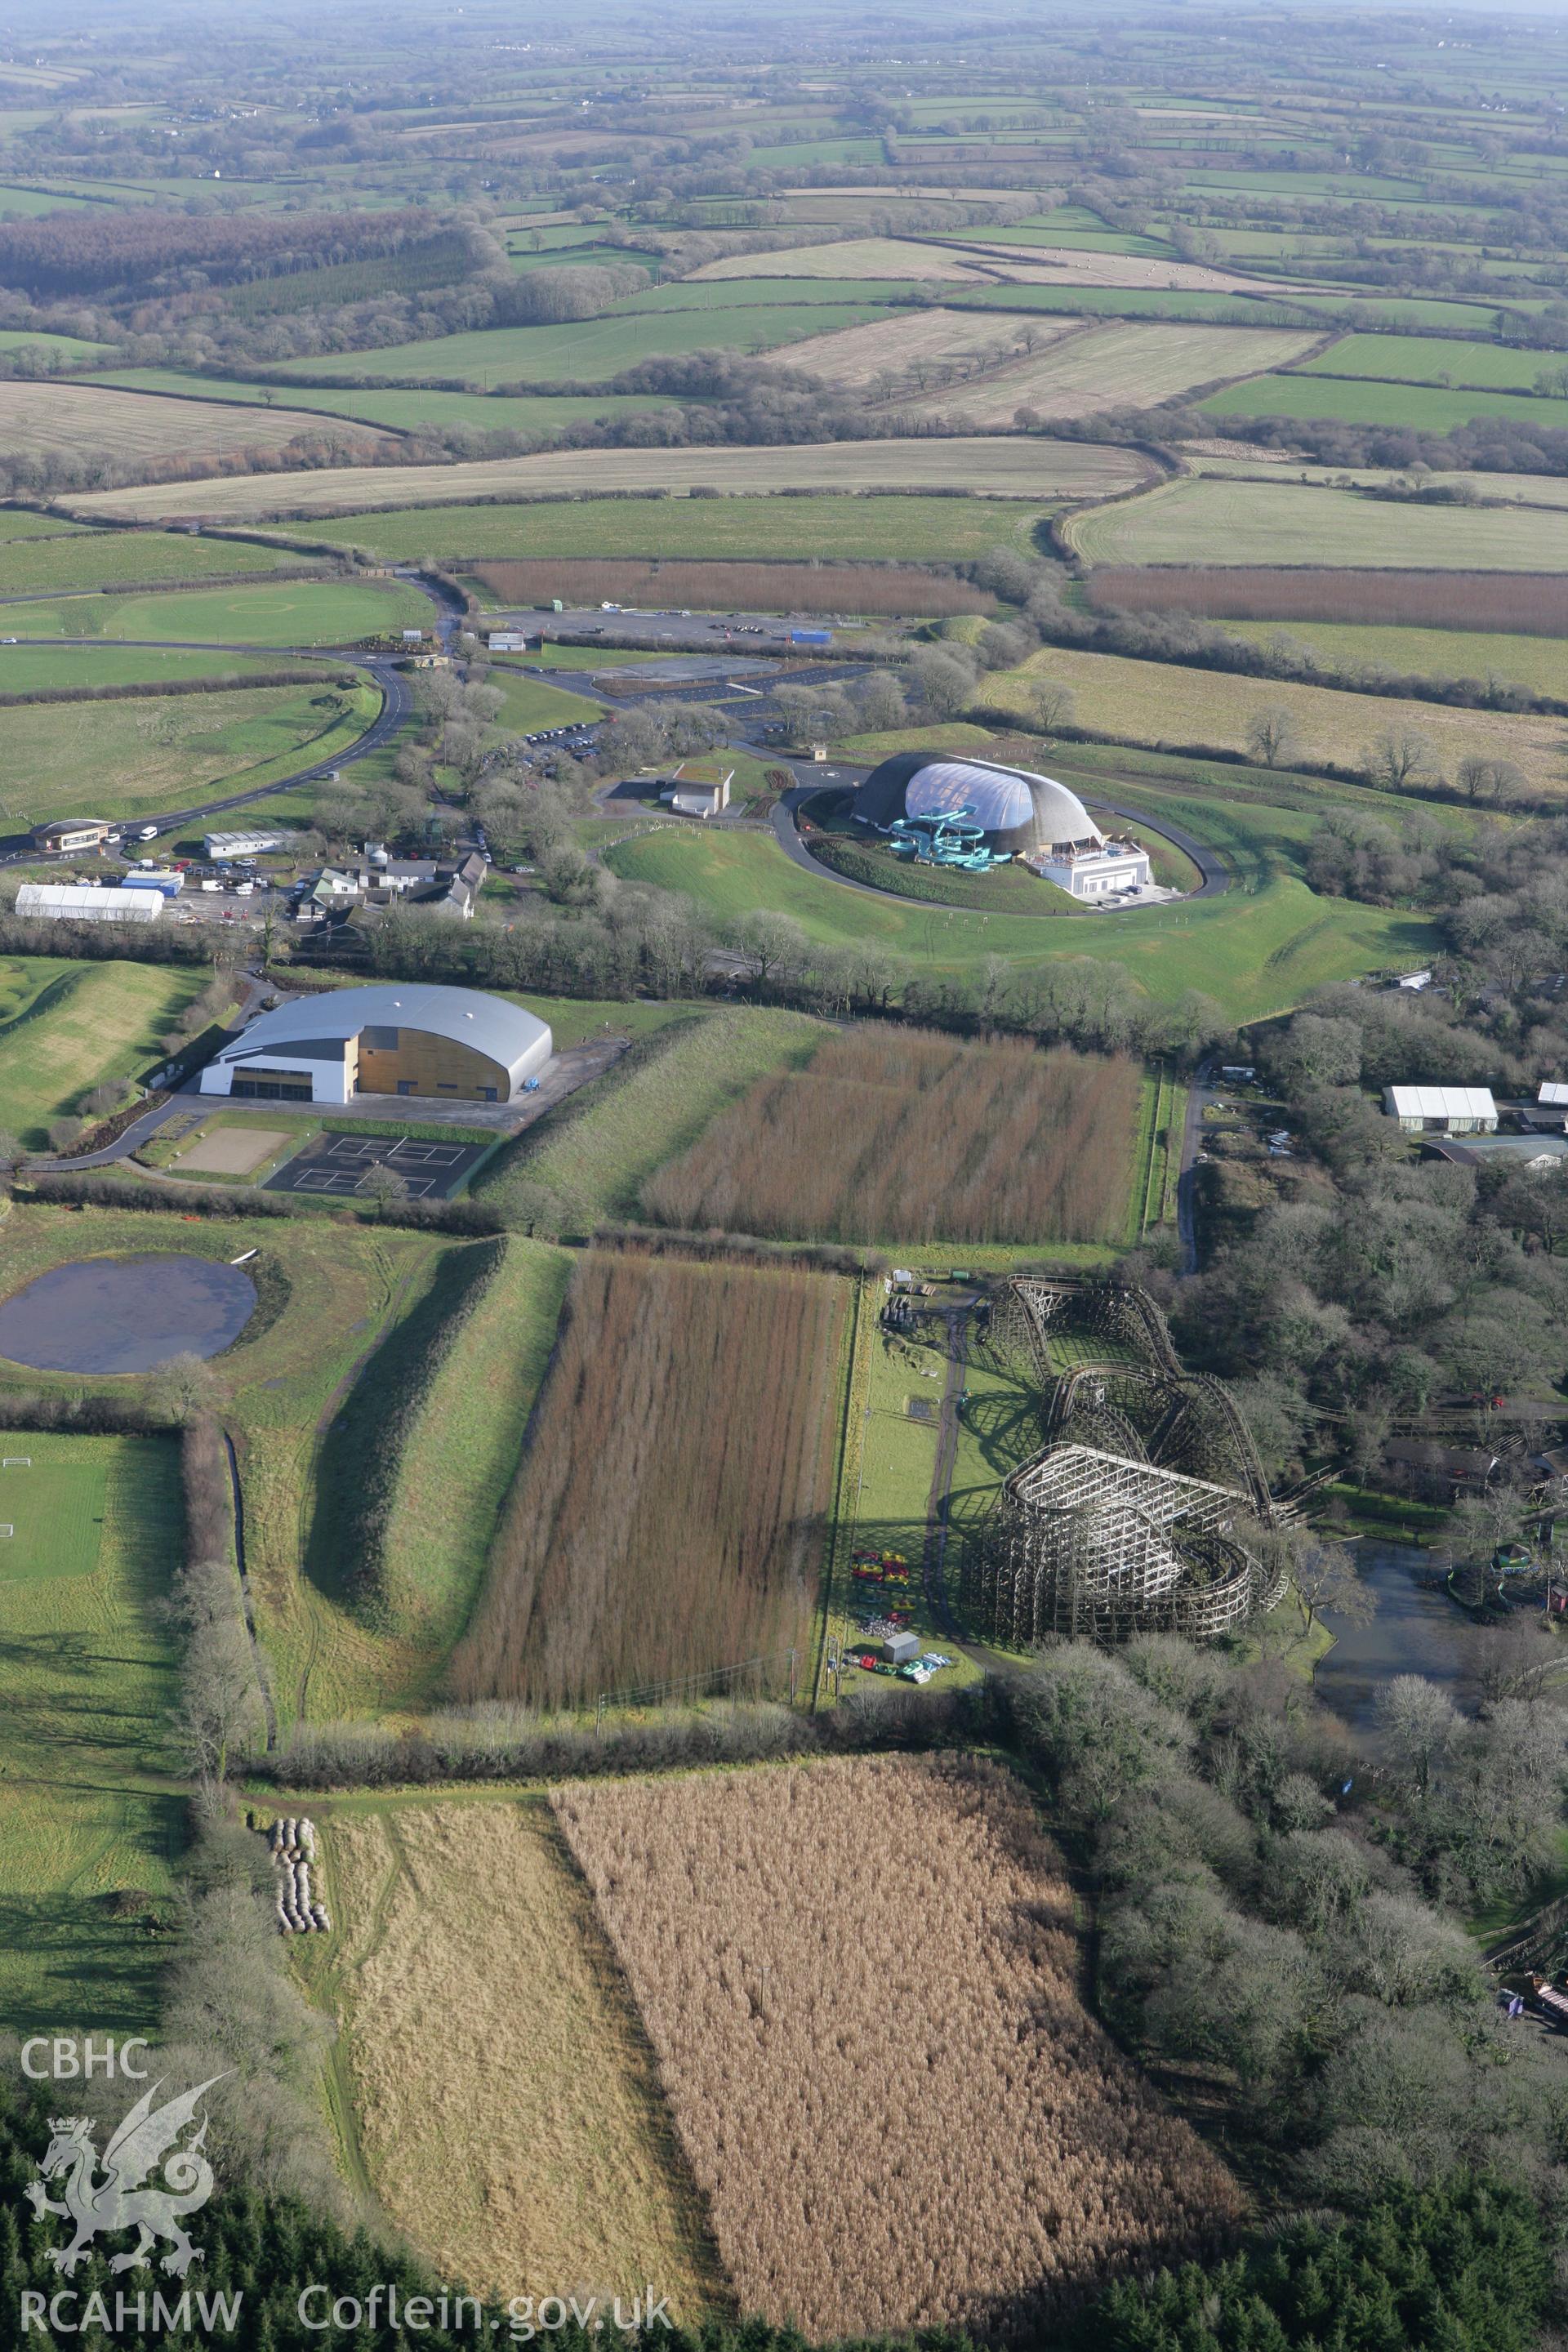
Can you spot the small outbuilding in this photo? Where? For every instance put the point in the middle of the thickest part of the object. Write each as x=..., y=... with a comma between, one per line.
x=1442, y=1110
x=900, y=1648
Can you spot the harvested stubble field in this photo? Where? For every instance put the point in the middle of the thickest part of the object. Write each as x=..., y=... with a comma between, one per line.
x=899, y=2110
x=907, y=1136
x=733, y=587
x=1534, y=603
x=906, y=349
x=856, y=257
x=45, y=420
x=518, y=2135
x=668, y=1516
x=990, y=466
x=1208, y=521
x=1130, y=366
x=1164, y=704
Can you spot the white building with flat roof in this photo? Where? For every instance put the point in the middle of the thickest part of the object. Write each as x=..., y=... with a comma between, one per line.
x=253, y=841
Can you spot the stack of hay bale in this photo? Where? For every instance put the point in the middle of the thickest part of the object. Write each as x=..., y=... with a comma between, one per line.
x=293, y=1848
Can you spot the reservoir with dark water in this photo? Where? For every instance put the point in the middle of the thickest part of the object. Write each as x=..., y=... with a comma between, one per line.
x=126, y=1314
x=1417, y=1631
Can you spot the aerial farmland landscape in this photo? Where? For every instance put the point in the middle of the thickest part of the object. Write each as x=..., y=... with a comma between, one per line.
x=784, y=1177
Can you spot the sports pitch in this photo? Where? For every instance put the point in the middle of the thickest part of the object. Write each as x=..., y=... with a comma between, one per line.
x=341, y=1166
x=51, y=1509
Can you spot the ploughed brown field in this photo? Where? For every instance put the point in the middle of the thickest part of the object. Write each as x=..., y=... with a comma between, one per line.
x=668, y=1516
x=907, y=1136
x=860, y=1981
x=1534, y=602
x=734, y=587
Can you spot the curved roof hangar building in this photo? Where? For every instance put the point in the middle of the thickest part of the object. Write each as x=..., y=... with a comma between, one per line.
x=1022, y=815
x=451, y=1044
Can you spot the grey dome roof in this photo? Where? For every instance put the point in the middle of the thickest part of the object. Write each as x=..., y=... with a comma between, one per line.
x=488, y=1024
x=1017, y=809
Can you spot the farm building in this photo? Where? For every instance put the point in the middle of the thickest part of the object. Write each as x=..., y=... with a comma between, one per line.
x=1442, y=1110
x=1436, y=1472
x=1020, y=815
x=72, y=902
x=67, y=835
x=451, y=1044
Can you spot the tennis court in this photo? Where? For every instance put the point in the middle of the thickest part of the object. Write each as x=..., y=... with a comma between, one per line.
x=344, y=1166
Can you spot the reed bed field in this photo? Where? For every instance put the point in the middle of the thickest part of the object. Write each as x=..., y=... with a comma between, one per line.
x=1534, y=603
x=860, y=1980
x=668, y=1516
x=734, y=587
x=910, y=1136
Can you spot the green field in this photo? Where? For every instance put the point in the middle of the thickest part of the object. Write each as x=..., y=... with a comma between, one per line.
x=845, y=527
x=1364, y=400
x=582, y=352
x=91, y=560
x=117, y=759
x=1257, y=950
x=52, y=1504
x=1132, y=302
x=66, y=1027
x=1421, y=359
x=99, y=661
x=1539, y=663
x=86, y=1683
x=292, y=612
x=342, y=1289
x=532, y=705
x=403, y=411
x=23, y=522
x=70, y=351
x=1209, y=520
x=591, y=1165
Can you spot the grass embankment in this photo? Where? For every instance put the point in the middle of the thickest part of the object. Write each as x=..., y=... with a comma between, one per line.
x=440, y=1415
x=524, y=2142
x=531, y=705
x=87, y=1681
x=1258, y=949
x=134, y=758
x=291, y=613
x=588, y=1161
x=68, y=1027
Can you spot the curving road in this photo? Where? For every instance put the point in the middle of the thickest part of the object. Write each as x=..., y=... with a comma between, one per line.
x=397, y=702
x=1210, y=865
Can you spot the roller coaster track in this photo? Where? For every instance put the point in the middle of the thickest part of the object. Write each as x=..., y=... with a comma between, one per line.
x=1162, y=1365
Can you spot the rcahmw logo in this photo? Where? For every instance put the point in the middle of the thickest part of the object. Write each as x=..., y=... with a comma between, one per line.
x=122, y=2193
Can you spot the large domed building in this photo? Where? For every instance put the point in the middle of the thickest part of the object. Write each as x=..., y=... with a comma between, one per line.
x=1020, y=815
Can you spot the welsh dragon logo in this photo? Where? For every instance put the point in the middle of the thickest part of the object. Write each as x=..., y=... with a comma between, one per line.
x=146, y=2139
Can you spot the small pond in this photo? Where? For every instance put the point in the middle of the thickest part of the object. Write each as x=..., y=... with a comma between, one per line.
x=126, y=1314
x=1417, y=1631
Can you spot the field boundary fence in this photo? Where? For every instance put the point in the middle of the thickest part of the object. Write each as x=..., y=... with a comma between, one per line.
x=770, y=1669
